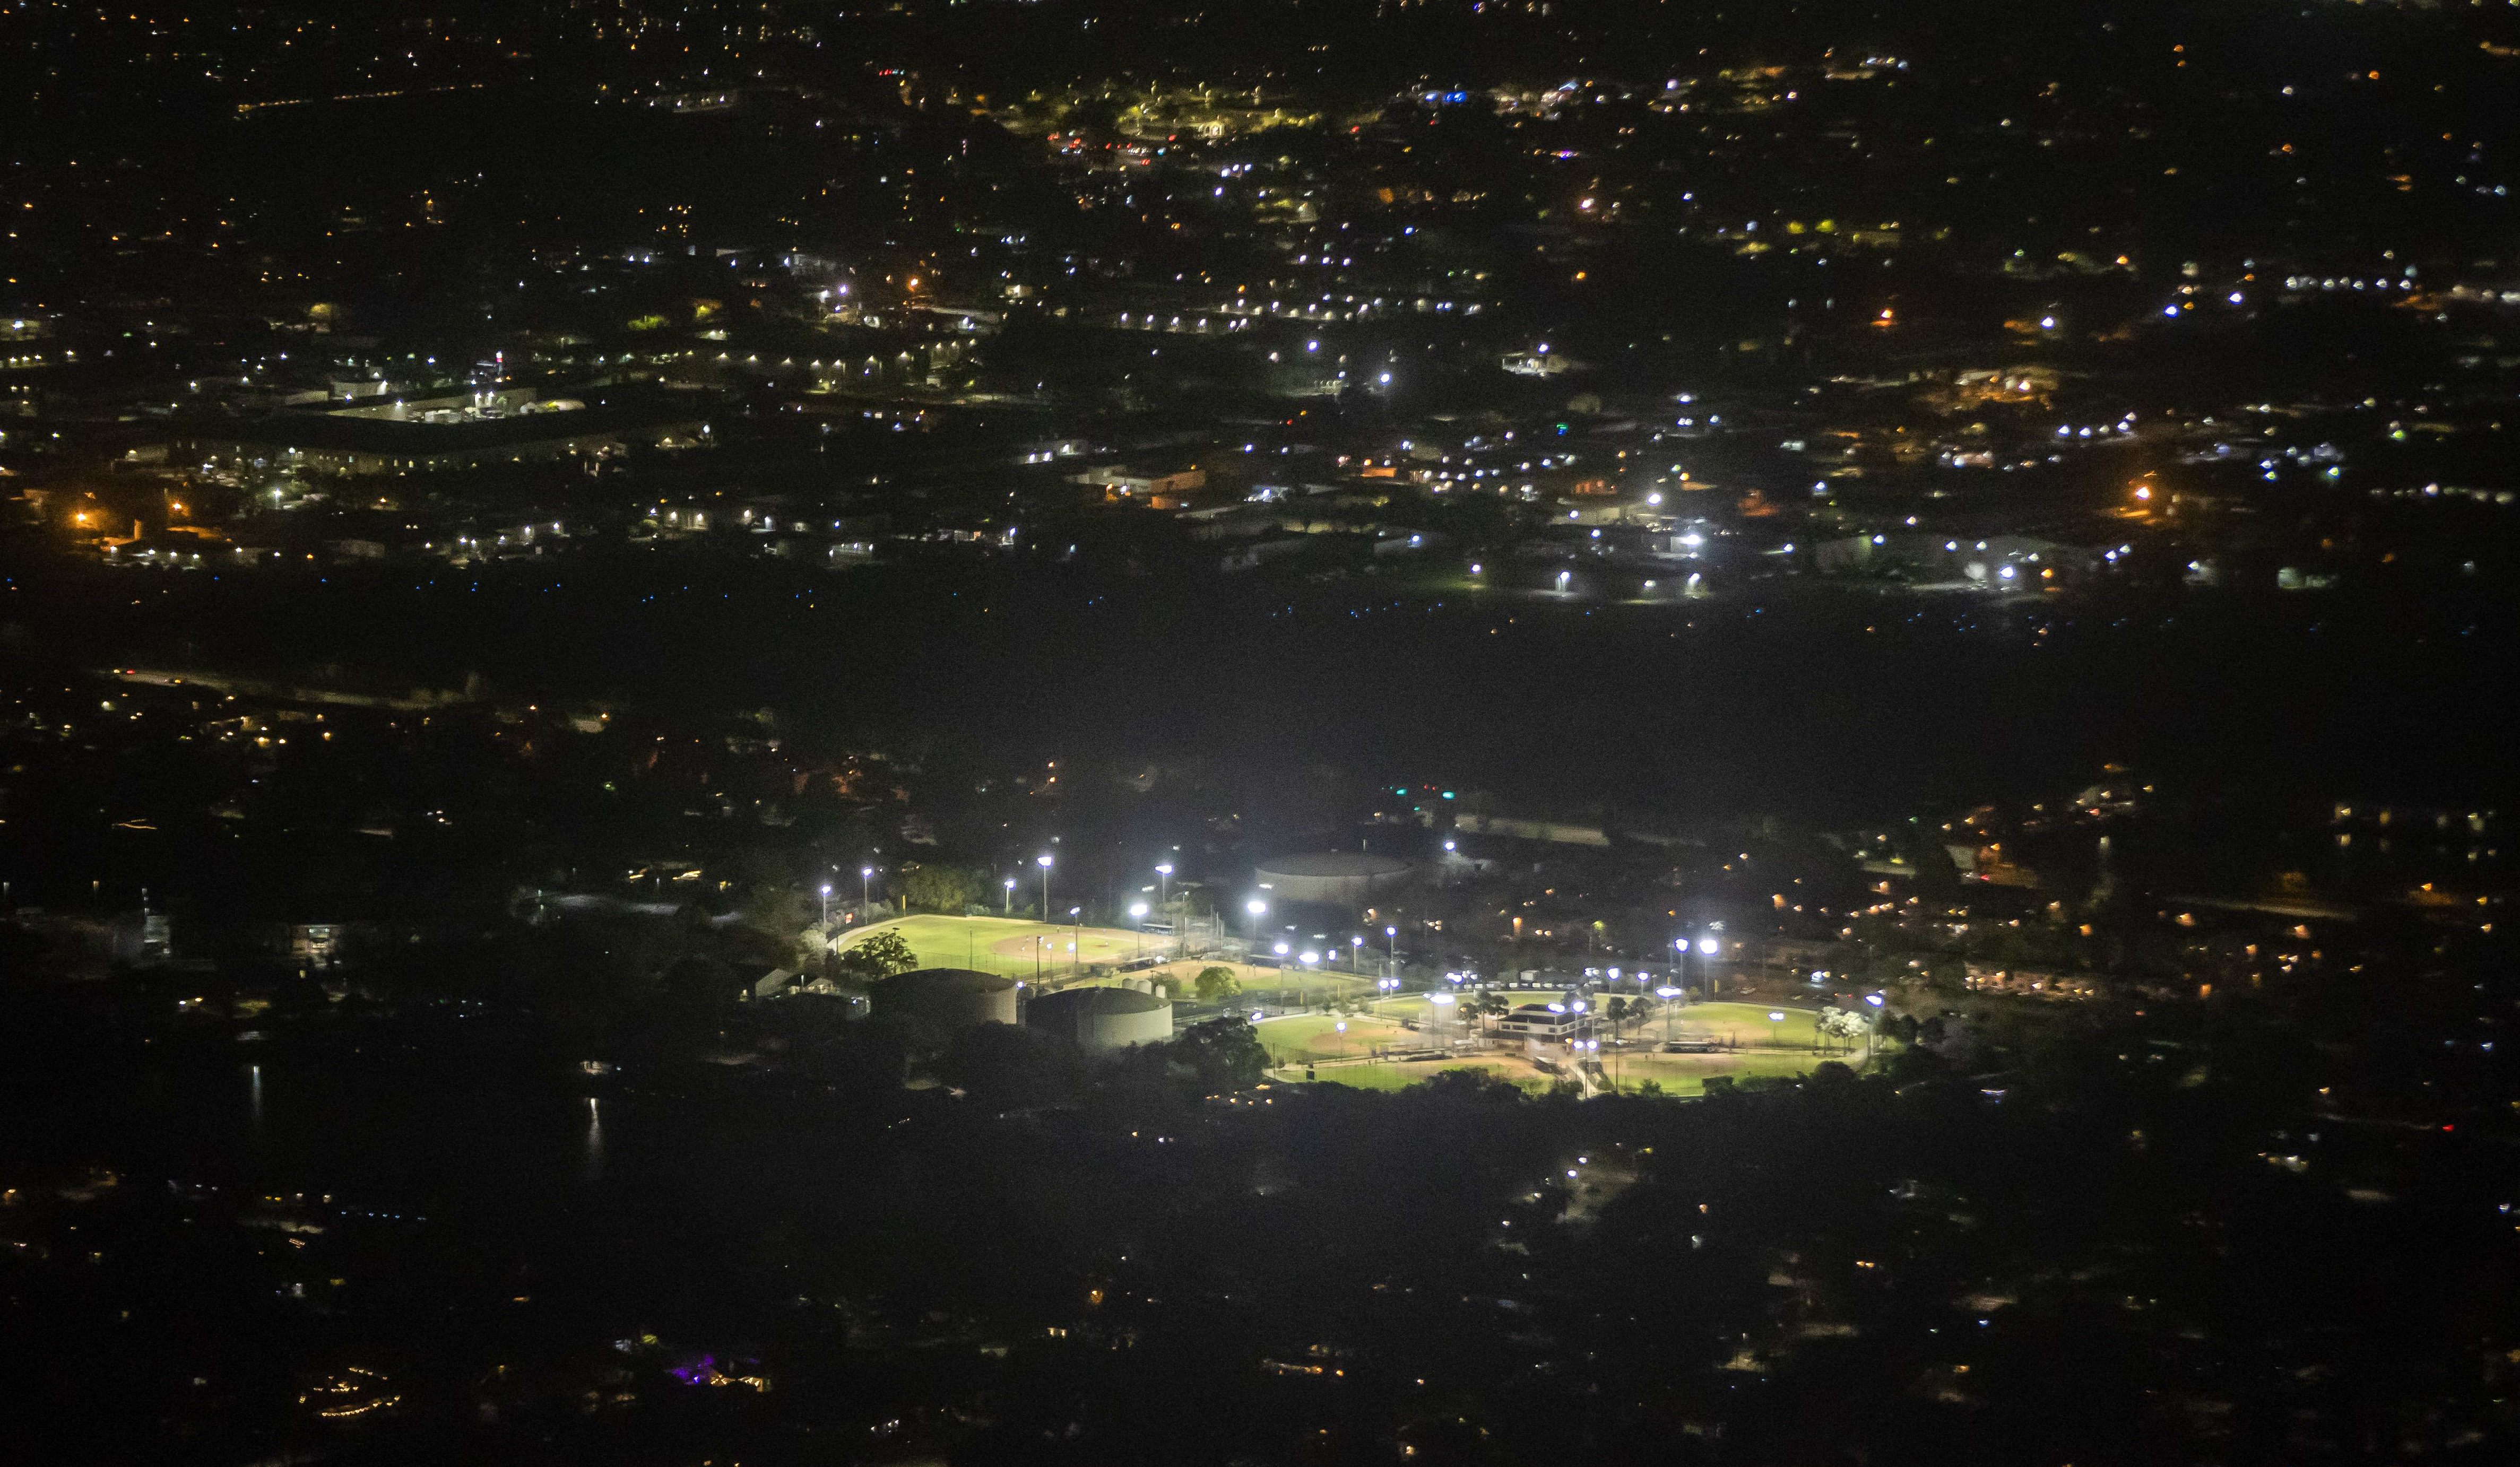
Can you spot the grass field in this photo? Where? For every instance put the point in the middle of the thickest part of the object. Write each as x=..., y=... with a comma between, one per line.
x=1017, y=948
x=1401, y=1077
x=1741, y=1023
x=1677, y=1074
x=1777, y=1046
x=1008, y=945
x=1308, y=1039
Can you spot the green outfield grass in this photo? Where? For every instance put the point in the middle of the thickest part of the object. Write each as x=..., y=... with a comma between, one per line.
x=1401, y=1077
x=1265, y=985
x=1686, y=1074
x=1012, y=946
x=1743, y=1023
x=1768, y=1047
x=1309, y=1039
x=1006, y=944
x=1677, y=1074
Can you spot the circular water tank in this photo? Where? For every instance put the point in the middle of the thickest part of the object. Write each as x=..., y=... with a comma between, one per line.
x=1103, y=1019
x=955, y=998
x=1343, y=877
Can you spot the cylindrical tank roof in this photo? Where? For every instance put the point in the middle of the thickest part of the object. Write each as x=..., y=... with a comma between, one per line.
x=1098, y=1000
x=1335, y=877
x=1335, y=865
x=1103, y=1019
x=950, y=996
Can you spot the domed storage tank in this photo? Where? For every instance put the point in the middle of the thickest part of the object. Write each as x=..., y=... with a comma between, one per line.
x=1339, y=877
x=954, y=997
x=1103, y=1019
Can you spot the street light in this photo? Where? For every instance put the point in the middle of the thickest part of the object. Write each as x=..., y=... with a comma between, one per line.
x=1356, y=954
x=827, y=903
x=1043, y=860
x=1391, y=947
x=866, y=890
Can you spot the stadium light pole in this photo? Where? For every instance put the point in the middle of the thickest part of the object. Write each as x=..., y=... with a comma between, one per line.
x=1668, y=995
x=1164, y=899
x=1138, y=914
x=866, y=890
x=1011, y=896
x=1043, y=860
x=1391, y=947
x=1076, y=939
x=827, y=903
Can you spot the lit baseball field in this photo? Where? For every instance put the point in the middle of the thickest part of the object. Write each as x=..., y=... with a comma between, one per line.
x=1010, y=945
x=1782, y=1046
x=1018, y=949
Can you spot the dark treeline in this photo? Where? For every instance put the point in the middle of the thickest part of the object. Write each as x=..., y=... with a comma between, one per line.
x=2123, y=1238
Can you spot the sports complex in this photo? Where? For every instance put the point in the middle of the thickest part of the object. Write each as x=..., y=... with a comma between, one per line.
x=1400, y=1042
x=1385, y=1043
